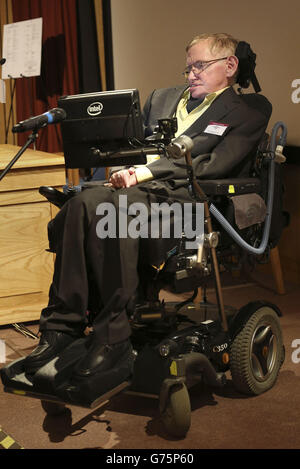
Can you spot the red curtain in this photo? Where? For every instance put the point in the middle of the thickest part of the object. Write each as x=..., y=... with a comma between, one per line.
x=59, y=75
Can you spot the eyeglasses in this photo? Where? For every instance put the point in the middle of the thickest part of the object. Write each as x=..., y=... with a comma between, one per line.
x=199, y=66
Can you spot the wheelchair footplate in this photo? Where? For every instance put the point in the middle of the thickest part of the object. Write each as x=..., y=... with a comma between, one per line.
x=53, y=385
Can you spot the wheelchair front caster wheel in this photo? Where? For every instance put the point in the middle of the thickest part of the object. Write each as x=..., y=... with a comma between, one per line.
x=177, y=414
x=53, y=408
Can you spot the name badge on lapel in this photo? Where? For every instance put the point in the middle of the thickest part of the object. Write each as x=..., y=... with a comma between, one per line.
x=216, y=128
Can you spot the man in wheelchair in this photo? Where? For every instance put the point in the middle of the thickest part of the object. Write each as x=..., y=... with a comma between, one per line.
x=101, y=275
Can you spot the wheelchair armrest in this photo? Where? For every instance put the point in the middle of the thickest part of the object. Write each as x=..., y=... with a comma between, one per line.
x=234, y=186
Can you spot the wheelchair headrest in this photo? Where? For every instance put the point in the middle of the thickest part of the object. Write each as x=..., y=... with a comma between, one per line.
x=247, y=64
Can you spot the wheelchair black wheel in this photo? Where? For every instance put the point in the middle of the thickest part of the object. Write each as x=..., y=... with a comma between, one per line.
x=53, y=408
x=177, y=414
x=257, y=352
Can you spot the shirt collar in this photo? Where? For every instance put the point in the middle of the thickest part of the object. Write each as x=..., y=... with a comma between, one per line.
x=208, y=98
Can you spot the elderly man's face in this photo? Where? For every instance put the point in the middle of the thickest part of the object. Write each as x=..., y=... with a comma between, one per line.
x=214, y=76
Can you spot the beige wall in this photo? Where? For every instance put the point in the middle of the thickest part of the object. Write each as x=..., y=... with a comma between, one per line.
x=149, y=38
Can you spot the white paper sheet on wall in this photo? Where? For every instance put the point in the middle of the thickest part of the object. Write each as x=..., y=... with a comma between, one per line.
x=22, y=49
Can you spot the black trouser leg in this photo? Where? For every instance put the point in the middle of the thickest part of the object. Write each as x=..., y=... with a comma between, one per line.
x=80, y=255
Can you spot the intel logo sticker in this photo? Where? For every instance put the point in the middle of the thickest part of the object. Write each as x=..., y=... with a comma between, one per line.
x=95, y=109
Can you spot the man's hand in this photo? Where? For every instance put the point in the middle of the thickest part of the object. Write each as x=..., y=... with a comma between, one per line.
x=123, y=178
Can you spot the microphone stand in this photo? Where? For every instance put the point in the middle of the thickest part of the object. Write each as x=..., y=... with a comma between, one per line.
x=31, y=139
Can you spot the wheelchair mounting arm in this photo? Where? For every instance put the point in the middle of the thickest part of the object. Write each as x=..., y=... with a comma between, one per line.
x=179, y=147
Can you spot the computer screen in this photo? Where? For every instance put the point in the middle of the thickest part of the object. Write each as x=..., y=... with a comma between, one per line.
x=109, y=121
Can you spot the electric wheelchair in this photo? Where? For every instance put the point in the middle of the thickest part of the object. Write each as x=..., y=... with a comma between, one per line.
x=177, y=345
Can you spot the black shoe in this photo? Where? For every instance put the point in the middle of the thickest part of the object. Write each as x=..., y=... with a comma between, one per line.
x=101, y=358
x=51, y=343
x=54, y=196
x=104, y=369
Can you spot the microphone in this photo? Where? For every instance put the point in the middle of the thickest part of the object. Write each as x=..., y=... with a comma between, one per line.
x=33, y=123
x=2, y=61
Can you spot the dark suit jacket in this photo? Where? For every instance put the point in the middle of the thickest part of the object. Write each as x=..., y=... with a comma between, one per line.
x=213, y=156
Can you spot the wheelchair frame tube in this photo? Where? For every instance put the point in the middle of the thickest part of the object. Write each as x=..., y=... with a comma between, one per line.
x=230, y=230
